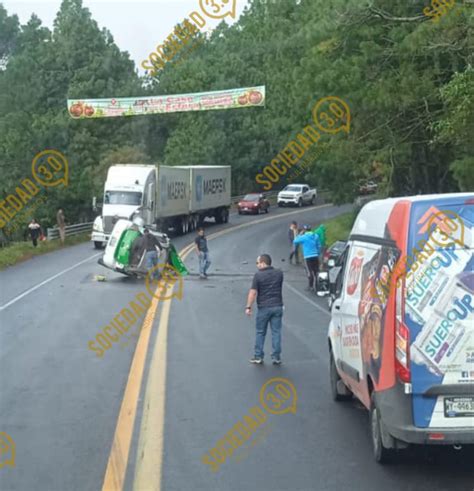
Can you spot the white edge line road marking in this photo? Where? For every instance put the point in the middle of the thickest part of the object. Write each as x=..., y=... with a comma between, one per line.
x=39, y=285
x=304, y=297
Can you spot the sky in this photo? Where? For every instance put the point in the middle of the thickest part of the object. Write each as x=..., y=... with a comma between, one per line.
x=137, y=26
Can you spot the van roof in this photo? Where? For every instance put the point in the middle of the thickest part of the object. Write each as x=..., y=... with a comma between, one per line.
x=374, y=216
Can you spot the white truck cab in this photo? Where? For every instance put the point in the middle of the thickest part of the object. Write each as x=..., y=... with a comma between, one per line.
x=125, y=191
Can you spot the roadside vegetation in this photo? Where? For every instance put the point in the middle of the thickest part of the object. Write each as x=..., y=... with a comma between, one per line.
x=17, y=252
x=412, y=115
x=339, y=228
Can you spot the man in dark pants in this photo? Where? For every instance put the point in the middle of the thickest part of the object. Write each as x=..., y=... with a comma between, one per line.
x=266, y=288
x=311, y=249
x=292, y=234
x=149, y=243
x=203, y=253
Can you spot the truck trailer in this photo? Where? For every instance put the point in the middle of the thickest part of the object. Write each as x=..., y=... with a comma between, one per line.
x=168, y=198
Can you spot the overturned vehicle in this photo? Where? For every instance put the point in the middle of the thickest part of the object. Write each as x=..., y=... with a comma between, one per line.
x=121, y=256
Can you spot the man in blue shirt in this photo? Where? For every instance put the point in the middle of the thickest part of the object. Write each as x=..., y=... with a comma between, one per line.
x=311, y=249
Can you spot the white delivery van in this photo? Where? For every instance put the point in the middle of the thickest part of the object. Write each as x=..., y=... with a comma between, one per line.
x=401, y=335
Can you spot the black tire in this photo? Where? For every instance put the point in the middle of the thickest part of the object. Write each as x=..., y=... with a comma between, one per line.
x=226, y=216
x=300, y=203
x=382, y=454
x=97, y=245
x=266, y=209
x=240, y=213
x=338, y=390
x=280, y=205
x=312, y=200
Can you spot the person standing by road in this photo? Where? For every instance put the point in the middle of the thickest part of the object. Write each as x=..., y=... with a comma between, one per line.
x=292, y=234
x=203, y=253
x=61, y=225
x=35, y=231
x=311, y=248
x=267, y=290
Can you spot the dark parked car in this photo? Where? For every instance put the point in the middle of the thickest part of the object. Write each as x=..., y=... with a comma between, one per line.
x=334, y=252
x=253, y=203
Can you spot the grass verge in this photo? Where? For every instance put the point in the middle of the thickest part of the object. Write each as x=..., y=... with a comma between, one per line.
x=22, y=251
x=339, y=228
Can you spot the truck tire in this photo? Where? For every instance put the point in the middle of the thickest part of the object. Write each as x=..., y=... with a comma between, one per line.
x=312, y=200
x=226, y=216
x=97, y=245
x=339, y=390
x=300, y=202
x=280, y=204
x=382, y=454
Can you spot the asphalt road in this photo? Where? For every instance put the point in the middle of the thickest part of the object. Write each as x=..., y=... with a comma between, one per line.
x=146, y=412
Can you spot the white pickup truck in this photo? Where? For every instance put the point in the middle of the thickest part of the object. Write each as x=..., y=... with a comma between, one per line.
x=297, y=194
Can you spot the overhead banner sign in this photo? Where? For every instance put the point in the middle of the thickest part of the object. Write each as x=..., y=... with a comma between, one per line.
x=137, y=106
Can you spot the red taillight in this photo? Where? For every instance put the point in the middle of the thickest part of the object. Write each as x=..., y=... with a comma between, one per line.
x=436, y=436
x=402, y=338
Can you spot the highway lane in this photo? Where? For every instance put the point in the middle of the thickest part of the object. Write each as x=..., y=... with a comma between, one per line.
x=210, y=386
x=58, y=401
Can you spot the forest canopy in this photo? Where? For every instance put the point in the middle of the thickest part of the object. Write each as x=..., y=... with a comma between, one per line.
x=409, y=83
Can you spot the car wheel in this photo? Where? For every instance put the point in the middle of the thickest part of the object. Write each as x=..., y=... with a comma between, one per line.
x=339, y=390
x=266, y=209
x=300, y=203
x=382, y=454
x=312, y=200
x=239, y=212
x=280, y=205
x=97, y=245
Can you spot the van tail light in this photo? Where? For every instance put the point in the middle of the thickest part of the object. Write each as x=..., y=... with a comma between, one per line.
x=402, y=337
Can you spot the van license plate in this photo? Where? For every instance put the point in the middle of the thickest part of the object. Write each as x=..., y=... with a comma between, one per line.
x=455, y=407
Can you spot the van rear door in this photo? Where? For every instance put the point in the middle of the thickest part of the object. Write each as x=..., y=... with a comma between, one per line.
x=439, y=311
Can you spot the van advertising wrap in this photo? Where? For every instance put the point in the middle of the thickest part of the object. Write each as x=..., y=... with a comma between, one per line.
x=439, y=311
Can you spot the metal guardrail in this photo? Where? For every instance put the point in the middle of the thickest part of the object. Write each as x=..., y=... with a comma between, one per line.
x=79, y=228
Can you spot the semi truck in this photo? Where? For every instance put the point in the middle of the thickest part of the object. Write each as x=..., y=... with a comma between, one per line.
x=176, y=198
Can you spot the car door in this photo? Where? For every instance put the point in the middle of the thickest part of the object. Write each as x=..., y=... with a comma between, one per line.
x=306, y=197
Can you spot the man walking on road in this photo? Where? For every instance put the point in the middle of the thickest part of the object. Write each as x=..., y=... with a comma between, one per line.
x=203, y=253
x=311, y=249
x=61, y=225
x=267, y=290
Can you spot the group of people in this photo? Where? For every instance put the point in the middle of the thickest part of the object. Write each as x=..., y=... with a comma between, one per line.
x=36, y=232
x=267, y=284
